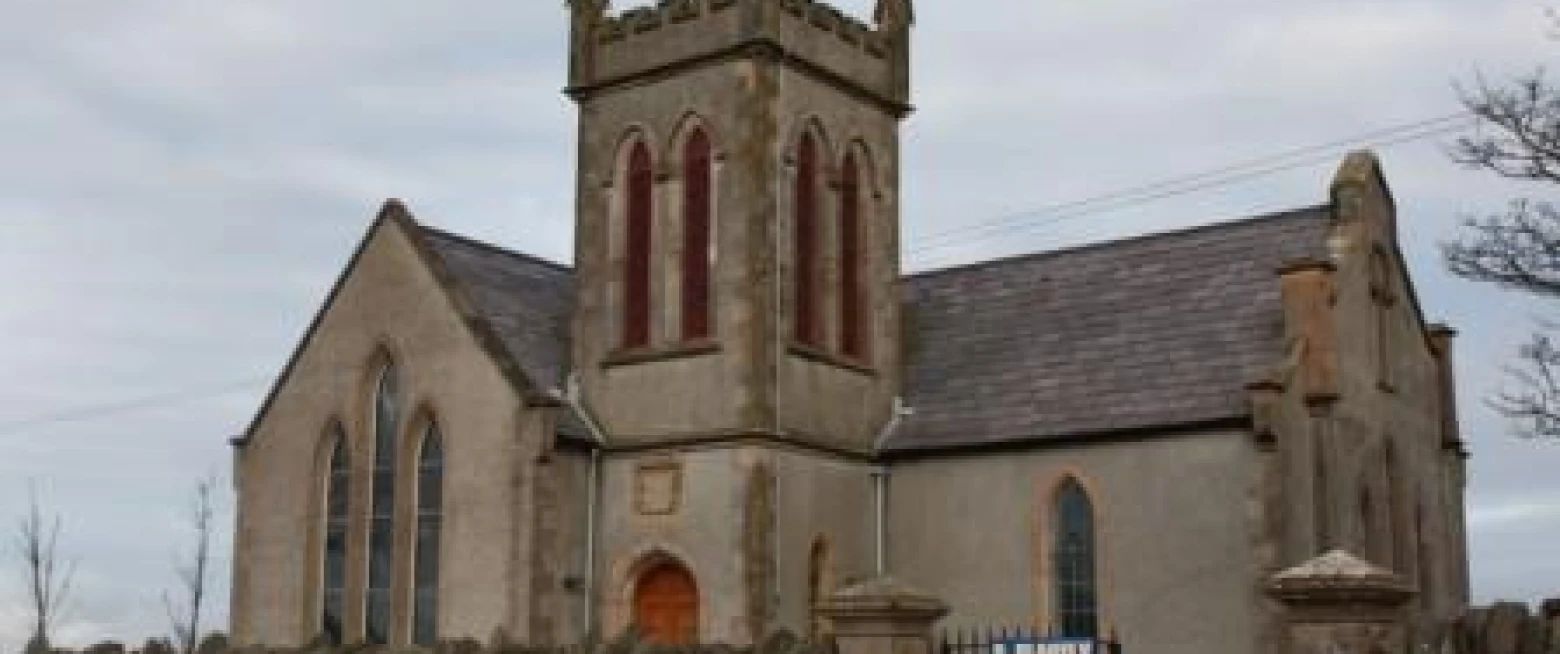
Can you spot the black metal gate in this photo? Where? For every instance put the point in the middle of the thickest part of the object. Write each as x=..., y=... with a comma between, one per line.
x=1022, y=640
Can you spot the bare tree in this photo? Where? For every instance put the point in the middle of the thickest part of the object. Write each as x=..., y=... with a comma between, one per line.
x=184, y=612
x=48, y=575
x=1518, y=248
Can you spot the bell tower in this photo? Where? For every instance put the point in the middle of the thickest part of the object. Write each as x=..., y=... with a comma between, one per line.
x=738, y=219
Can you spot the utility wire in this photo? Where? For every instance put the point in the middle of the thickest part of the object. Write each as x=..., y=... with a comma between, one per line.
x=110, y=409
x=1181, y=185
x=1022, y=221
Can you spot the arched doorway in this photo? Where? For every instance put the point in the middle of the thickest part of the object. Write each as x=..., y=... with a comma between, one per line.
x=666, y=605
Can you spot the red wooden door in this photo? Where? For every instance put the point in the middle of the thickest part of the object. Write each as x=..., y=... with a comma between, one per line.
x=666, y=605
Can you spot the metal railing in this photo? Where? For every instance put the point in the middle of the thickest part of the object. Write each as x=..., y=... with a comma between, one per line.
x=1022, y=640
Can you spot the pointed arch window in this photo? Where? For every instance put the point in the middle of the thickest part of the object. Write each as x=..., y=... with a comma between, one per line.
x=430, y=523
x=337, y=489
x=381, y=534
x=696, y=237
x=805, y=272
x=639, y=228
x=853, y=341
x=1073, y=555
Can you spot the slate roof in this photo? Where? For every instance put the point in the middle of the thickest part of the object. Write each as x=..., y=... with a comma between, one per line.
x=527, y=301
x=1149, y=332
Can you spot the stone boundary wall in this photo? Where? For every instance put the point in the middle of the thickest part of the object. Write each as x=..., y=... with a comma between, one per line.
x=1506, y=628
x=778, y=643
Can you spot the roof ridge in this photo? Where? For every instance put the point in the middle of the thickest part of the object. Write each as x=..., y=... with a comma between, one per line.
x=495, y=248
x=1128, y=240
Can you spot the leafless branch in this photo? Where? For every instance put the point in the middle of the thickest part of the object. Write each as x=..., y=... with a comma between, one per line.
x=1519, y=249
x=184, y=610
x=1521, y=135
x=1535, y=405
x=1518, y=139
x=48, y=575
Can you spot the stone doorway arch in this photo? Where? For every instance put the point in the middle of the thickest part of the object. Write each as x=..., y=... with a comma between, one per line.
x=666, y=604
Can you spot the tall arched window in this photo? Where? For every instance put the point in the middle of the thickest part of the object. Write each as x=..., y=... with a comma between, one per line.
x=805, y=327
x=1074, y=589
x=639, y=228
x=852, y=335
x=381, y=534
x=696, y=237
x=430, y=521
x=337, y=490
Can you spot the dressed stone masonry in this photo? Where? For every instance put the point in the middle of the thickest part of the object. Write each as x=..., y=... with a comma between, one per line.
x=733, y=403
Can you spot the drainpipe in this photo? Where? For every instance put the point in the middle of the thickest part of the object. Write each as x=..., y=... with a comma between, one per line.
x=880, y=485
x=573, y=399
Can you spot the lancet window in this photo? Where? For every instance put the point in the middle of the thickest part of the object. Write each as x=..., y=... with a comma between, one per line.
x=1073, y=563
x=430, y=523
x=381, y=523
x=853, y=312
x=639, y=226
x=805, y=241
x=696, y=255
x=338, y=486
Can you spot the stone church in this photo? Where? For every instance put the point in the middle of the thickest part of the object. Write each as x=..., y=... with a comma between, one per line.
x=733, y=402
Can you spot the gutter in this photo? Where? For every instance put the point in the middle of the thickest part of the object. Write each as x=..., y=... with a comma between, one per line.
x=880, y=474
x=572, y=398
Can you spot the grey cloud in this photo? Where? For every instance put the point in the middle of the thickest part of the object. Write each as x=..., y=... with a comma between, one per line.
x=181, y=180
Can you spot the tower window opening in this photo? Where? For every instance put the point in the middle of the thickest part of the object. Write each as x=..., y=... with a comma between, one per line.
x=805, y=327
x=696, y=257
x=639, y=224
x=852, y=337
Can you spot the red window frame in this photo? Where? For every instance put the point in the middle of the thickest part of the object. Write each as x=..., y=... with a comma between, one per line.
x=696, y=237
x=853, y=342
x=804, y=328
x=639, y=228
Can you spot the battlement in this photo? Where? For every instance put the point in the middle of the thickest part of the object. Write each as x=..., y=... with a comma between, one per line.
x=645, y=19
x=614, y=47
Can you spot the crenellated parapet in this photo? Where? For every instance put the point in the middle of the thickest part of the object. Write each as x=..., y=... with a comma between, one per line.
x=612, y=48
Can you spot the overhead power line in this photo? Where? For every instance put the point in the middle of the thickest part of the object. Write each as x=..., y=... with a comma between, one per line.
x=1021, y=221
x=111, y=409
x=1185, y=184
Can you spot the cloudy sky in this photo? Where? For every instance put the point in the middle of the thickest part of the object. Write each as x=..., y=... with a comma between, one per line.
x=181, y=180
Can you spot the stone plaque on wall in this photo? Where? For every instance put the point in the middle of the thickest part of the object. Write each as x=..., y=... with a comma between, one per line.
x=658, y=487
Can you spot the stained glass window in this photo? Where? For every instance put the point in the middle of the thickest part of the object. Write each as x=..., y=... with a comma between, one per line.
x=1073, y=563
x=337, y=486
x=381, y=536
x=430, y=518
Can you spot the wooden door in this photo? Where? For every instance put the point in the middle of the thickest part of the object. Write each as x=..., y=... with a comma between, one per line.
x=666, y=605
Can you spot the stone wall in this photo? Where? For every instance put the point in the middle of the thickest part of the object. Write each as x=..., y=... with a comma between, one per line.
x=778, y=643
x=1506, y=628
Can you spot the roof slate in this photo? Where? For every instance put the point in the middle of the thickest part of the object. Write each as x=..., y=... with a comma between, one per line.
x=527, y=301
x=1154, y=331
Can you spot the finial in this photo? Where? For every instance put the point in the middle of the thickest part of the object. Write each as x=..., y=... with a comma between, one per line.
x=1358, y=167
x=894, y=14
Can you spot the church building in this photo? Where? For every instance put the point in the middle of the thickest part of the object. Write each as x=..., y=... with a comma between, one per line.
x=733, y=402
